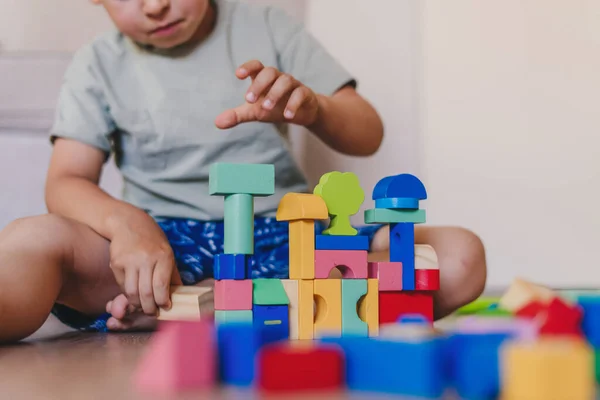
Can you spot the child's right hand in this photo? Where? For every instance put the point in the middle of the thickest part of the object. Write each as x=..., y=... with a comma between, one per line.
x=143, y=263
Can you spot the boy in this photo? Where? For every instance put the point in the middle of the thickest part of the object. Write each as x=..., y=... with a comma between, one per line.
x=183, y=84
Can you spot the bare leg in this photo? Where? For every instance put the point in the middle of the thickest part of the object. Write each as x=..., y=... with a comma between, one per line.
x=48, y=259
x=461, y=256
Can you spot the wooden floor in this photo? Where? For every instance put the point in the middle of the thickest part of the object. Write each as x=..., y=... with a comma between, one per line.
x=96, y=366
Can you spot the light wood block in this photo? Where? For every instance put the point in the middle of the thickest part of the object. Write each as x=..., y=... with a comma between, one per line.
x=186, y=303
x=522, y=292
x=425, y=257
x=291, y=290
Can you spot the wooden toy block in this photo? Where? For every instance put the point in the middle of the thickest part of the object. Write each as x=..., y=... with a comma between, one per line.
x=368, y=307
x=329, y=242
x=353, y=263
x=274, y=322
x=352, y=291
x=405, y=368
x=591, y=319
x=239, y=224
x=233, y=295
x=427, y=279
x=425, y=257
x=283, y=367
x=231, y=266
x=389, y=274
x=238, y=345
x=302, y=250
x=550, y=368
x=269, y=292
x=180, y=356
x=301, y=206
x=306, y=312
x=554, y=318
x=328, y=314
x=400, y=203
x=188, y=303
x=343, y=196
x=392, y=305
x=232, y=316
x=291, y=290
x=233, y=178
x=402, y=249
x=392, y=216
x=522, y=292
x=400, y=186
x=407, y=330
x=522, y=329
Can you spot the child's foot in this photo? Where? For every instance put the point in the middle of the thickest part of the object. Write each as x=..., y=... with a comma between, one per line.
x=125, y=319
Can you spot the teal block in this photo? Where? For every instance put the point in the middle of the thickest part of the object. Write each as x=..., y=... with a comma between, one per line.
x=352, y=291
x=388, y=216
x=232, y=178
x=239, y=224
x=268, y=292
x=232, y=316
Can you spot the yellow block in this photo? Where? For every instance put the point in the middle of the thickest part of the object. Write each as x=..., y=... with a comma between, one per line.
x=302, y=249
x=368, y=309
x=328, y=298
x=291, y=290
x=549, y=369
x=297, y=206
x=306, y=312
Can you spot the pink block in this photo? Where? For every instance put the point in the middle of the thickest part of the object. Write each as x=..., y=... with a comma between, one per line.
x=389, y=274
x=233, y=294
x=354, y=261
x=181, y=356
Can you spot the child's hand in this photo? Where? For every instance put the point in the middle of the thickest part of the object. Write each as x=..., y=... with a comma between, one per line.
x=272, y=97
x=143, y=263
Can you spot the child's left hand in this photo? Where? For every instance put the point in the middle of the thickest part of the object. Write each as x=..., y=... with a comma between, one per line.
x=272, y=97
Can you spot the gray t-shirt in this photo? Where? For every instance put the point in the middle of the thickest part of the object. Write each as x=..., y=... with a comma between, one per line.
x=155, y=109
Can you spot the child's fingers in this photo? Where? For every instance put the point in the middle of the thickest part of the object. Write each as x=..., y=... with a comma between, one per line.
x=132, y=287
x=230, y=118
x=263, y=80
x=249, y=68
x=297, y=98
x=161, y=282
x=146, y=290
x=282, y=87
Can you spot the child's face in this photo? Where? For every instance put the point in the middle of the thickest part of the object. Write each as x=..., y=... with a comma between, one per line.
x=160, y=23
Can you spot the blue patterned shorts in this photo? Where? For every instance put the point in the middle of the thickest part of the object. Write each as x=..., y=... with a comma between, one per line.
x=195, y=244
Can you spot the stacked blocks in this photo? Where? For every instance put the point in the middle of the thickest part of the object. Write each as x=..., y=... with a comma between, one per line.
x=407, y=280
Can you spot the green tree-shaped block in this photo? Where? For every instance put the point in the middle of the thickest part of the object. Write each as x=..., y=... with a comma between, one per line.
x=343, y=196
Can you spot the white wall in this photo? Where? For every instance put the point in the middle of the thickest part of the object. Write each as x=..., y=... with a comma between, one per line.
x=510, y=130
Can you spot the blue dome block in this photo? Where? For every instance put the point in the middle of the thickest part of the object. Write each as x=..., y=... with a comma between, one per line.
x=400, y=186
x=400, y=203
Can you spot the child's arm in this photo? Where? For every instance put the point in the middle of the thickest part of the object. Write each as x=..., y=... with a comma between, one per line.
x=141, y=258
x=345, y=121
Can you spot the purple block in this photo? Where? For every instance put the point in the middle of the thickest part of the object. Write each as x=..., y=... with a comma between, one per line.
x=518, y=328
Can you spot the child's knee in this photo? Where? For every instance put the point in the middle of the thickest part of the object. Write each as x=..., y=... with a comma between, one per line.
x=473, y=259
x=48, y=231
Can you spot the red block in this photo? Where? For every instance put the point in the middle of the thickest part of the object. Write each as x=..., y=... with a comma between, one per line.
x=392, y=305
x=554, y=318
x=427, y=279
x=284, y=367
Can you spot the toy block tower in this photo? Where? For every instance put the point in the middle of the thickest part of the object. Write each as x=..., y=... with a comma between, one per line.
x=301, y=210
x=239, y=184
x=339, y=247
x=407, y=280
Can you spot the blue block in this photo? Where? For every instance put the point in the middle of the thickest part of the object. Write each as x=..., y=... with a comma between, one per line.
x=238, y=344
x=591, y=319
x=400, y=203
x=402, y=249
x=231, y=266
x=332, y=242
x=389, y=366
x=473, y=360
x=273, y=320
x=413, y=319
x=400, y=186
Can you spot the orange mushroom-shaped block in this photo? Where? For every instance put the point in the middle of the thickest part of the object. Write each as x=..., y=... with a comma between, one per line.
x=301, y=210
